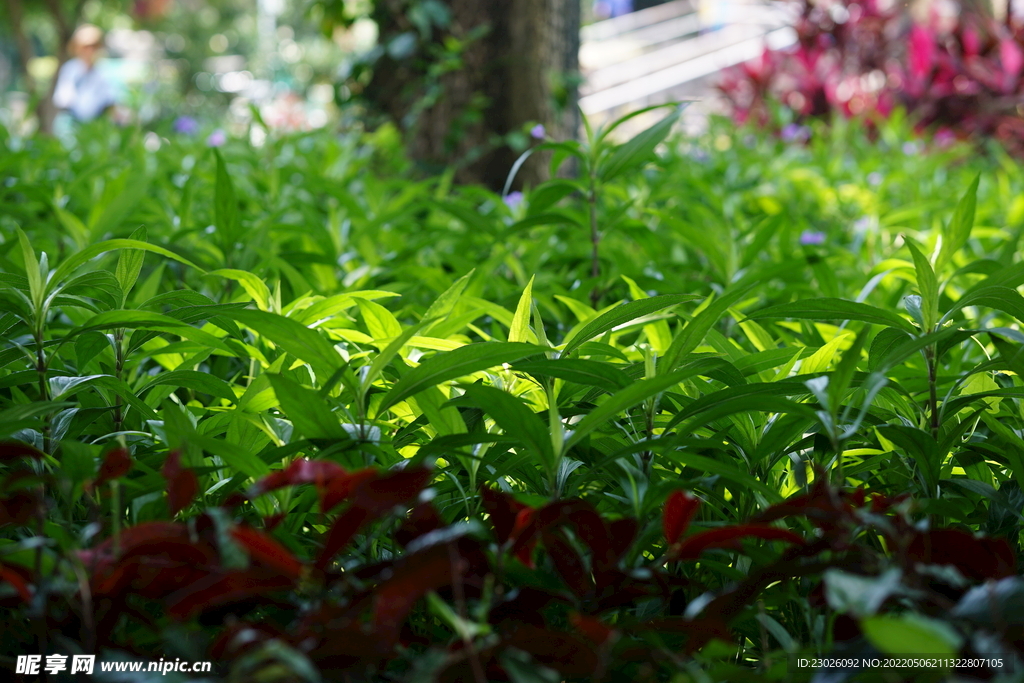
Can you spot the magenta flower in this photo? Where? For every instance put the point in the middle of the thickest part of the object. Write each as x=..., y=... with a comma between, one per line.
x=538, y=132
x=513, y=199
x=217, y=138
x=812, y=237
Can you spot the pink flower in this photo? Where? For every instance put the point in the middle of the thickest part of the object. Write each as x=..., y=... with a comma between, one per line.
x=1013, y=60
x=217, y=138
x=538, y=132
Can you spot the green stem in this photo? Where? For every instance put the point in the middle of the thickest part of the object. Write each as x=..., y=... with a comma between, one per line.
x=44, y=386
x=933, y=398
x=118, y=369
x=595, y=236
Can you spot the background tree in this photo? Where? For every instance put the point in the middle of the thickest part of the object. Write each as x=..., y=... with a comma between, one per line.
x=466, y=79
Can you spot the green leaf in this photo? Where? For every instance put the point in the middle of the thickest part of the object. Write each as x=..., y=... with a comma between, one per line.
x=955, y=236
x=307, y=411
x=860, y=596
x=627, y=398
x=380, y=322
x=713, y=466
x=693, y=334
x=922, y=448
x=928, y=286
x=582, y=371
x=546, y=195
x=129, y=265
x=843, y=373
x=85, y=255
x=297, y=339
x=1000, y=298
x=28, y=254
x=515, y=419
x=203, y=382
x=639, y=149
x=457, y=363
x=911, y=634
x=225, y=205
x=621, y=315
x=253, y=285
x=445, y=304
x=520, y=329
x=392, y=350
x=1013, y=354
x=834, y=310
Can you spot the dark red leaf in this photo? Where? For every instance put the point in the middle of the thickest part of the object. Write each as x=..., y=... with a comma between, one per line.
x=18, y=509
x=13, y=450
x=381, y=494
x=531, y=523
x=340, y=488
x=568, y=654
x=622, y=533
x=117, y=463
x=271, y=522
x=267, y=551
x=14, y=578
x=422, y=520
x=300, y=471
x=679, y=511
x=182, y=484
x=342, y=531
x=975, y=558
x=729, y=537
x=371, y=495
x=568, y=562
x=216, y=590
x=592, y=628
x=413, y=578
x=502, y=509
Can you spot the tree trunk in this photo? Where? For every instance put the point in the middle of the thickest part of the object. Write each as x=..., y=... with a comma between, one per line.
x=65, y=24
x=16, y=13
x=519, y=66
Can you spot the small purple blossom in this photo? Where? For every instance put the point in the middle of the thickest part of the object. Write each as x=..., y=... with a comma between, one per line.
x=812, y=237
x=911, y=148
x=874, y=179
x=513, y=199
x=217, y=138
x=186, y=125
x=862, y=224
x=538, y=132
x=794, y=132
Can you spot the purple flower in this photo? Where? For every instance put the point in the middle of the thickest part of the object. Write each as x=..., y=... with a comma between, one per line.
x=538, y=132
x=809, y=237
x=217, y=138
x=513, y=199
x=793, y=132
x=186, y=125
x=874, y=179
x=910, y=148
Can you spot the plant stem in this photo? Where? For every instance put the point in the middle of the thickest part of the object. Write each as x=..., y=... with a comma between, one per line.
x=118, y=368
x=933, y=399
x=595, y=236
x=44, y=386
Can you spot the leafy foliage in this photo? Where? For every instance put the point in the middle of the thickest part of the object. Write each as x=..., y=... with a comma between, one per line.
x=320, y=418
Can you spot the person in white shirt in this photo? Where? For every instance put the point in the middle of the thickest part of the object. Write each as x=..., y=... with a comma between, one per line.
x=82, y=89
